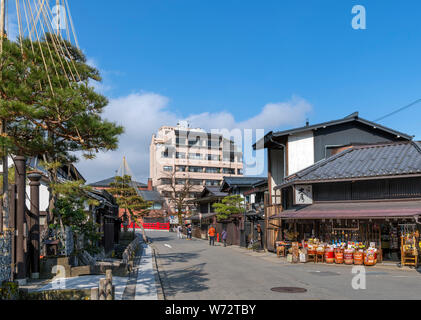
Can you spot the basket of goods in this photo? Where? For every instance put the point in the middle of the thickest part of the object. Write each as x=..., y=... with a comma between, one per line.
x=339, y=256
x=359, y=257
x=370, y=258
x=329, y=255
x=349, y=256
x=312, y=250
x=410, y=250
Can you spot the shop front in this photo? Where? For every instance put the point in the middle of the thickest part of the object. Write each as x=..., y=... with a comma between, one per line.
x=352, y=233
x=361, y=206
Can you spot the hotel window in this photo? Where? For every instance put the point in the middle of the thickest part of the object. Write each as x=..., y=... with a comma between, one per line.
x=165, y=181
x=180, y=181
x=212, y=183
x=195, y=169
x=181, y=141
x=213, y=157
x=213, y=170
x=168, y=168
x=228, y=171
x=240, y=171
x=196, y=182
x=195, y=156
x=181, y=168
x=165, y=154
x=167, y=194
x=181, y=155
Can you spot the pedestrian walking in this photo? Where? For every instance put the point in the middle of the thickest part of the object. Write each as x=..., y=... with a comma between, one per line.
x=212, y=233
x=260, y=236
x=224, y=235
x=180, y=232
x=189, y=232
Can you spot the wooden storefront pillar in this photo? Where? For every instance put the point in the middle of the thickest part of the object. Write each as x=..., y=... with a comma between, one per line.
x=20, y=180
x=34, y=231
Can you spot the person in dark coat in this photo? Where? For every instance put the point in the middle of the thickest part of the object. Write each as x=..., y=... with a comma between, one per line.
x=224, y=235
x=189, y=232
x=260, y=236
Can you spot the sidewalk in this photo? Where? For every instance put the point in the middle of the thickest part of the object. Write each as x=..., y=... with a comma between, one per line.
x=140, y=285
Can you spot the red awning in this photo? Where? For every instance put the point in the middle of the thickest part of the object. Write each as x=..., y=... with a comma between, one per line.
x=362, y=210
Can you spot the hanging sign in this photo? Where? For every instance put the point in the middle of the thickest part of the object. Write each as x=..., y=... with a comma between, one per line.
x=303, y=194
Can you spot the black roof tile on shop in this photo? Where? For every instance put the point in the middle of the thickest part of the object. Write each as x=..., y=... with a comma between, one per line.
x=389, y=159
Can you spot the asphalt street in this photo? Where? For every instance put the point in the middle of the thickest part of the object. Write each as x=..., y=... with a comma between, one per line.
x=192, y=270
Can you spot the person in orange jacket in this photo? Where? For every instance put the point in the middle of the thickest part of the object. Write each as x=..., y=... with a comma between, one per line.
x=212, y=233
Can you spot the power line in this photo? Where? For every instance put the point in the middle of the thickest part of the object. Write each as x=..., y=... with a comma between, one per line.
x=398, y=110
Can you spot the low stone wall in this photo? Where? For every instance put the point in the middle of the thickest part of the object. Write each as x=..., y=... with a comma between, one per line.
x=56, y=295
x=130, y=252
x=5, y=257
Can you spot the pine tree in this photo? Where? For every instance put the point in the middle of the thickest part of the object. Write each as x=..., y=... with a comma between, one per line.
x=50, y=109
x=124, y=190
x=230, y=205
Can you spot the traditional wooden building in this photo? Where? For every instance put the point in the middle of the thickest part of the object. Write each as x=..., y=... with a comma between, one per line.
x=368, y=194
x=293, y=150
x=239, y=227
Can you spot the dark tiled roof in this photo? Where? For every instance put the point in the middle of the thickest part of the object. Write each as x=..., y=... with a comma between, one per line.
x=215, y=191
x=350, y=118
x=243, y=181
x=400, y=158
x=153, y=196
x=106, y=183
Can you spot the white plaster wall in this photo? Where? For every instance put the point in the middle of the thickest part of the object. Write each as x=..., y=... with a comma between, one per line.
x=43, y=197
x=277, y=171
x=300, y=151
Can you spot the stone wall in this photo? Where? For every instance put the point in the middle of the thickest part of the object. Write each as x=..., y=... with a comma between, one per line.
x=5, y=258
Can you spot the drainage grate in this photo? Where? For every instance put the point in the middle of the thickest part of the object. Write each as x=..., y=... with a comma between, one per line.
x=289, y=290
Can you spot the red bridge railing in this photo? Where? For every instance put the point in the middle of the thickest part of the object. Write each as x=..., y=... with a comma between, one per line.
x=152, y=226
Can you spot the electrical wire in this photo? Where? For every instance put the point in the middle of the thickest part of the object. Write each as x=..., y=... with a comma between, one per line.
x=398, y=110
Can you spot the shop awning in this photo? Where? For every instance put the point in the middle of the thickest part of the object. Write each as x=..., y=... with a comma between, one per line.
x=366, y=210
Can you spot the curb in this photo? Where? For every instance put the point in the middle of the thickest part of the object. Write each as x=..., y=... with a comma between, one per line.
x=158, y=279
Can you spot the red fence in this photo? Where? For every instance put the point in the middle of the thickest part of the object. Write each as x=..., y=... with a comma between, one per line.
x=152, y=226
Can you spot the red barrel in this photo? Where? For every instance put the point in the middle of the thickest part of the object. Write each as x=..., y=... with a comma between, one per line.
x=329, y=255
x=339, y=256
x=359, y=258
x=349, y=256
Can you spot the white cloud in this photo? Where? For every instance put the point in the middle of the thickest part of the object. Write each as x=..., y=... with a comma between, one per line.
x=142, y=114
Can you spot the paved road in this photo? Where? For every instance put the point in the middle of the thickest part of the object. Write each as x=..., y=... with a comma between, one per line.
x=192, y=270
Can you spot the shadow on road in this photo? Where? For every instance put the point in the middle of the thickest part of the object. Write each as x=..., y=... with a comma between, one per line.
x=187, y=280
x=170, y=258
x=159, y=239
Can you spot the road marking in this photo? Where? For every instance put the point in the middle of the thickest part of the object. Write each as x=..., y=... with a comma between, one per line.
x=168, y=246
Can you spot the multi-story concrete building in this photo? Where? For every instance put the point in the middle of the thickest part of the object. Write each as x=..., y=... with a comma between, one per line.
x=181, y=156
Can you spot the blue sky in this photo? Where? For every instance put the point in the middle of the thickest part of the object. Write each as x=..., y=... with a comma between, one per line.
x=240, y=55
x=228, y=62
